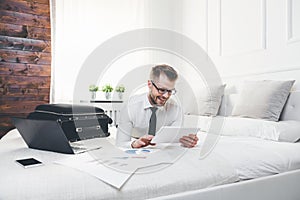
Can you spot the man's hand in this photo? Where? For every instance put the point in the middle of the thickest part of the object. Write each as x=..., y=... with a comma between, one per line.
x=142, y=141
x=189, y=141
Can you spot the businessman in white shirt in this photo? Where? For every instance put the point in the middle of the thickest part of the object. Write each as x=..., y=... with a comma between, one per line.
x=146, y=113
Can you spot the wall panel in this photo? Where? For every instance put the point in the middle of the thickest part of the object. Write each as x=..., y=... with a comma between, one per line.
x=25, y=58
x=293, y=20
x=248, y=38
x=242, y=26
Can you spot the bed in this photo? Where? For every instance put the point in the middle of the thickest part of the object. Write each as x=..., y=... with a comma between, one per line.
x=237, y=168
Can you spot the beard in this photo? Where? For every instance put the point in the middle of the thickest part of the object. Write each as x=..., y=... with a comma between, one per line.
x=157, y=100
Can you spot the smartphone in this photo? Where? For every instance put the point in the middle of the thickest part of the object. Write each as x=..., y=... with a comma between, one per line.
x=29, y=162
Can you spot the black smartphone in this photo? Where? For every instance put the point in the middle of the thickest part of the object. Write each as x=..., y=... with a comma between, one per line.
x=29, y=162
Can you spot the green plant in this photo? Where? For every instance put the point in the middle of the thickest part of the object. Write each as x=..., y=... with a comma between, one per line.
x=93, y=88
x=107, y=88
x=120, y=88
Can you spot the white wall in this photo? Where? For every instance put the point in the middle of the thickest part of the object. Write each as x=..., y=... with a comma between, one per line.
x=247, y=39
x=255, y=39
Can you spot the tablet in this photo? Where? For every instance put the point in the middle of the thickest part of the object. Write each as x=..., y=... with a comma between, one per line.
x=172, y=134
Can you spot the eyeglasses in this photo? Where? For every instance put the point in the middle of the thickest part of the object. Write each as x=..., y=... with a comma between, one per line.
x=163, y=91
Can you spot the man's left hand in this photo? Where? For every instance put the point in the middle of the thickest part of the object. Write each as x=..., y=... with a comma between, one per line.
x=189, y=141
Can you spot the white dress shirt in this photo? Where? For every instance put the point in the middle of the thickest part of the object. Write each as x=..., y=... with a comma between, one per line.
x=135, y=116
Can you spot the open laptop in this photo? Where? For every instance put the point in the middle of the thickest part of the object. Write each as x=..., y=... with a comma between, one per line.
x=48, y=135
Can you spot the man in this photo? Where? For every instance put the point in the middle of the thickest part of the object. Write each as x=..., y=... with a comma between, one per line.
x=146, y=113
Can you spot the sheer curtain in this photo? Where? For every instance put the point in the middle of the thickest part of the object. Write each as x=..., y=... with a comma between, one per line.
x=80, y=26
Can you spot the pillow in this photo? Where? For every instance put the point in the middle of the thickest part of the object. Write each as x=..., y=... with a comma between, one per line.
x=203, y=101
x=198, y=98
x=210, y=100
x=285, y=131
x=289, y=131
x=262, y=99
x=239, y=126
x=202, y=122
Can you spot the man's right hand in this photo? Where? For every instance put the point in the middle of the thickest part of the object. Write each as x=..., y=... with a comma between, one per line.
x=142, y=141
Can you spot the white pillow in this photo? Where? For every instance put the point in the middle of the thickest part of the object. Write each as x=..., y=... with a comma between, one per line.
x=205, y=102
x=201, y=101
x=286, y=131
x=202, y=122
x=239, y=126
x=210, y=100
x=289, y=131
x=262, y=99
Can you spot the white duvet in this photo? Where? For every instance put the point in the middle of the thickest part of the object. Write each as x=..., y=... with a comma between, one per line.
x=253, y=157
x=53, y=181
x=232, y=159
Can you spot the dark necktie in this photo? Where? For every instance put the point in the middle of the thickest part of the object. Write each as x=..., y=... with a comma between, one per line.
x=152, y=122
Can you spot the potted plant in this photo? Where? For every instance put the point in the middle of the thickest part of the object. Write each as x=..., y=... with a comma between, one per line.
x=120, y=89
x=93, y=89
x=107, y=89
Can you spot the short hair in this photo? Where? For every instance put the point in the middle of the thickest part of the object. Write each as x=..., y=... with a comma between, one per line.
x=163, y=68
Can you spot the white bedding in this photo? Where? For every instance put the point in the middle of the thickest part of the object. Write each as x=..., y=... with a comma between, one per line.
x=285, y=131
x=233, y=159
x=53, y=181
x=254, y=157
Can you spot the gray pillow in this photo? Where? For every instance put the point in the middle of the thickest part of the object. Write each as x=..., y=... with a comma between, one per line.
x=262, y=99
x=210, y=100
x=205, y=102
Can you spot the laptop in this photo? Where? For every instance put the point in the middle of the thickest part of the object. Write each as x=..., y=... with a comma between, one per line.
x=48, y=135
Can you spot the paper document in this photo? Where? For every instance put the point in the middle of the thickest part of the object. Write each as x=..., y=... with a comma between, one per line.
x=86, y=163
x=172, y=134
x=114, y=166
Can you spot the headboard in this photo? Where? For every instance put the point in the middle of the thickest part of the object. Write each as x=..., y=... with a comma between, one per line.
x=291, y=110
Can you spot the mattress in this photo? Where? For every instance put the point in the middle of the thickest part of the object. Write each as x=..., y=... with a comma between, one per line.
x=233, y=159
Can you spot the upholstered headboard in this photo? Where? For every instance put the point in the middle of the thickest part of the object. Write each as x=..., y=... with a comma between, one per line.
x=291, y=110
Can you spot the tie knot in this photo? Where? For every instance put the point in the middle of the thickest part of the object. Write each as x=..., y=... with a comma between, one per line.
x=153, y=109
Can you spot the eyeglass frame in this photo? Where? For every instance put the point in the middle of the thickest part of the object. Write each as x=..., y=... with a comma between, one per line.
x=163, y=91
